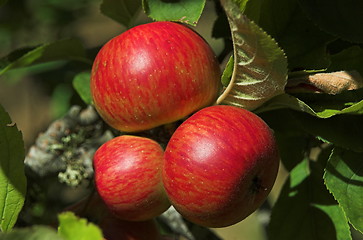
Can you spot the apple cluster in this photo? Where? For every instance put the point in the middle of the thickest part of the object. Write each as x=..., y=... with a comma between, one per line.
x=218, y=166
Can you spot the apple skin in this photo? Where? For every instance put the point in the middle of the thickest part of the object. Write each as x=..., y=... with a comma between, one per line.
x=117, y=229
x=128, y=177
x=153, y=74
x=94, y=209
x=220, y=165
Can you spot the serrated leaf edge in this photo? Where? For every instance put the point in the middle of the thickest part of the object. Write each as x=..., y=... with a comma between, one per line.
x=180, y=20
x=232, y=95
x=336, y=199
x=19, y=203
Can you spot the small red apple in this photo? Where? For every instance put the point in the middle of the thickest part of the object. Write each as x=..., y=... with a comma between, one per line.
x=116, y=229
x=153, y=74
x=94, y=209
x=128, y=177
x=220, y=165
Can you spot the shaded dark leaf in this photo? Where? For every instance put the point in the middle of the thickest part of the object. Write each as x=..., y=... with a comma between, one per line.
x=305, y=197
x=342, y=18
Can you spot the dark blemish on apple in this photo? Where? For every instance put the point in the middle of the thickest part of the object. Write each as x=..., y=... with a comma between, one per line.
x=256, y=185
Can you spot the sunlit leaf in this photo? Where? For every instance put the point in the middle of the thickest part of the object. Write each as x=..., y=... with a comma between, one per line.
x=260, y=66
x=343, y=130
x=185, y=11
x=12, y=176
x=81, y=83
x=32, y=233
x=319, y=105
x=124, y=11
x=69, y=49
x=228, y=71
x=73, y=228
x=305, y=197
x=344, y=178
x=286, y=101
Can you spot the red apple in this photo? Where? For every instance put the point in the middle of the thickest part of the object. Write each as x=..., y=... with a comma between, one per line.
x=117, y=229
x=128, y=177
x=94, y=209
x=220, y=165
x=153, y=74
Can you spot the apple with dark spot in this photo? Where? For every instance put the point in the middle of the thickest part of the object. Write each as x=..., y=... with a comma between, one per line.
x=153, y=74
x=128, y=177
x=220, y=165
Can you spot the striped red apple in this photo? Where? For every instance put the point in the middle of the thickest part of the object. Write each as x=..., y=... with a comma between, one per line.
x=153, y=74
x=128, y=177
x=220, y=165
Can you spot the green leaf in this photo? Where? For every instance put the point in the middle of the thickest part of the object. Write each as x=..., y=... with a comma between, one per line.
x=349, y=59
x=241, y=4
x=303, y=42
x=185, y=11
x=73, y=228
x=342, y=130
x=124, y=12
x=260, y=66
x=228, y=71
x=338, y=17
x=319, y=105
x=305, y=197
x=326, y=105
x=345, y=131
x=12, y=176
x=31, y=233
x=253, y=10
x=285, y=101
x=69, y=49
x=267, y=14
x=13, y=56
x=60, y=101
x=305, y=45
x=81, y=84
x=292, y=148
x=292, y=140
x=344, y=178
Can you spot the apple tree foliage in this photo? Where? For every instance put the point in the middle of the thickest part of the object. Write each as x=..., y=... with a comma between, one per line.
x=296, y=63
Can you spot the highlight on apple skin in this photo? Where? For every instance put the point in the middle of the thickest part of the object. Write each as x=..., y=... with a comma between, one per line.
x=153, y=74
x=220, y=165
x=128, y=177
